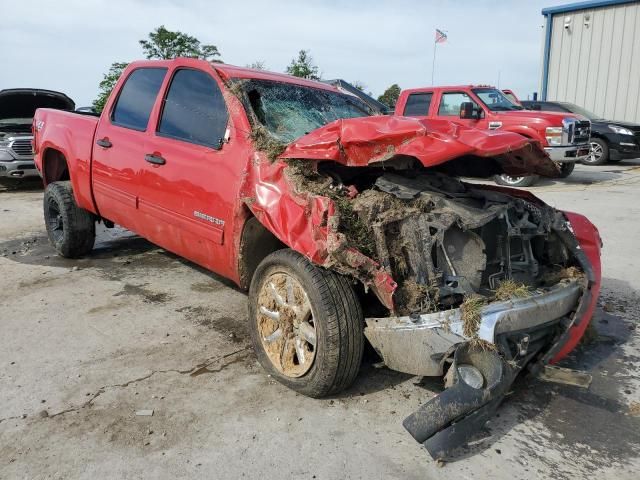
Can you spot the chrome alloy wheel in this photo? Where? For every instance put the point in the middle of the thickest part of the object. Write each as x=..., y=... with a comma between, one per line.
x=286, y=325
x=596, y=152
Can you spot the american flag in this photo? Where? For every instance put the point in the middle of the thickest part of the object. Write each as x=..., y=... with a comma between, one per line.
x=441, y=37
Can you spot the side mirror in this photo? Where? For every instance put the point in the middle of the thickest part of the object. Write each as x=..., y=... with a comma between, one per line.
x=468, y=111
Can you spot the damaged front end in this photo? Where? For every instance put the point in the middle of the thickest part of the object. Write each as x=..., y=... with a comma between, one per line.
x=488, y=284
x=473, y=282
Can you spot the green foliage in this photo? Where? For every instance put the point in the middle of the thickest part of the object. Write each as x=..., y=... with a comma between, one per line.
x=359, y=85
x=164, y=44
x=303, y=66
x=390, y=95
x=109, y=80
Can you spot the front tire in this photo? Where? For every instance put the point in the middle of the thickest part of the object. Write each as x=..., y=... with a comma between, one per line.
x=306, y=324
x=509, y=181
x=599, y=154
x=71, y=229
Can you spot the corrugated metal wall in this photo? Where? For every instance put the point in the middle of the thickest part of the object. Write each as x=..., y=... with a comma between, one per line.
x=595, y=63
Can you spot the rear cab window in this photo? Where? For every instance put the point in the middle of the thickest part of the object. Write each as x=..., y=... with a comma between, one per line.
x=137, y=97
x=450, y=103
x=418, y=104
x=194, y=109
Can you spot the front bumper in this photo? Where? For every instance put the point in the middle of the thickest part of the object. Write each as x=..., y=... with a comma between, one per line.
x=570, y=154
x=419, y=344
x=18, y=169
x=623, y=147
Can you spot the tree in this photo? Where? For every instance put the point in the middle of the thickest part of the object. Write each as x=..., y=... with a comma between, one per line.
x=258, y=65
x=109, y=80
x=390, y=96
x=303, y=66
x=164, y=44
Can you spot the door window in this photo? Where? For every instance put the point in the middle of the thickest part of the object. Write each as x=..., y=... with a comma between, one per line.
x=450, y=103
x=194, y=109
x=136, y=98
x=418, y=104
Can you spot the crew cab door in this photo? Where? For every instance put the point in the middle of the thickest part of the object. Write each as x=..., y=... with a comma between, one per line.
x=118, y=154
x=448, y=108
x=188, y=183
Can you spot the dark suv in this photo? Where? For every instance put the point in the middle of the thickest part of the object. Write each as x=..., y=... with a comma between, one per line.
x=610, y=140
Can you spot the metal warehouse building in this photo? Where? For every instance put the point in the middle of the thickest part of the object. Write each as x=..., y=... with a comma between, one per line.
x=591, y=57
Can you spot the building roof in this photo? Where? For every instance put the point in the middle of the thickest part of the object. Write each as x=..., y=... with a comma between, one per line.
x=572, y=7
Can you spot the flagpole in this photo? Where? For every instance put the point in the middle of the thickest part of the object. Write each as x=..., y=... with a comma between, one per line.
x=433, y=64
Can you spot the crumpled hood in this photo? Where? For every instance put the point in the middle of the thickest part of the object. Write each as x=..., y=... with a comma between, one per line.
x=364, y=141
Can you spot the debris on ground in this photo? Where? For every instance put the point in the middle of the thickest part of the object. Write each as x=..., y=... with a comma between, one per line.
x=634, y=409
x=144, y=413
x=565, y=376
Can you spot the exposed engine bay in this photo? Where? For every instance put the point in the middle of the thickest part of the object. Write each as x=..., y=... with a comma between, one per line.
x=442, y=239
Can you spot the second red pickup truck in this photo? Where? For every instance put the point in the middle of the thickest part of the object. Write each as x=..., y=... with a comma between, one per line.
x=342, y=225
x=565, y=137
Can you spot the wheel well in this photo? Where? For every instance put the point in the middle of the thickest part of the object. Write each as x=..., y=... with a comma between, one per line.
x=256, y=243
x=54, y=167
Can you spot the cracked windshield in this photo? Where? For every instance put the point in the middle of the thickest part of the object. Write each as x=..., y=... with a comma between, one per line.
x=290, y=111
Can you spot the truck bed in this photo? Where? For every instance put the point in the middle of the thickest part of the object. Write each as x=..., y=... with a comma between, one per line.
x=72, y=134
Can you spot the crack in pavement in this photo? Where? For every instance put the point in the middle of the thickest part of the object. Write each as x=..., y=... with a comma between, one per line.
x=199, y=369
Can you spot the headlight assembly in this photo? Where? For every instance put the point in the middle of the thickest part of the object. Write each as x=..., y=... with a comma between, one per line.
x=554, y=135
x=620, y=130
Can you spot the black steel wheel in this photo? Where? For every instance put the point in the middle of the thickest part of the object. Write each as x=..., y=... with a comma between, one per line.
x=71, y=229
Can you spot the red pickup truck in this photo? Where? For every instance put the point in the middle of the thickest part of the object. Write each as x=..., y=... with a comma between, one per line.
x=342, y=225
x=565, y=137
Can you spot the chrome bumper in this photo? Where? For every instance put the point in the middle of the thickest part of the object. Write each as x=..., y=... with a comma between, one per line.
x=18, y=169
x=417, y=344
x=572, y=153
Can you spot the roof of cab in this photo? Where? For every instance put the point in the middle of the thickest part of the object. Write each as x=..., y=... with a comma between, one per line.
x=227, y=71
x=445, y=87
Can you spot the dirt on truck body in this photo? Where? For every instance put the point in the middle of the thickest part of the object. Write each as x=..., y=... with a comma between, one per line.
x=343, y=224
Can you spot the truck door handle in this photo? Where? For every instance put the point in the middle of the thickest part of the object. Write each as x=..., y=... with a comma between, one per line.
x=155, y=159
x=104, y=142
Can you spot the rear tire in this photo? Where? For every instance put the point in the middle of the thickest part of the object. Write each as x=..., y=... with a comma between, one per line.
x=566, y=169
x=306, y=324
x=71, y=229
x=599, y=154
x=509, y=181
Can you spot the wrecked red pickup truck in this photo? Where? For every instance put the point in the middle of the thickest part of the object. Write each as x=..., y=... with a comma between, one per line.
x=343, y=226
x=565, y=137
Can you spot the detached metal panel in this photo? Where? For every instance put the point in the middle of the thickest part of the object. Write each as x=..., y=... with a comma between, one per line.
x=592, y=57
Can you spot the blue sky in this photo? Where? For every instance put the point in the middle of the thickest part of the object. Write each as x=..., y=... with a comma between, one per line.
x=67, y=45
